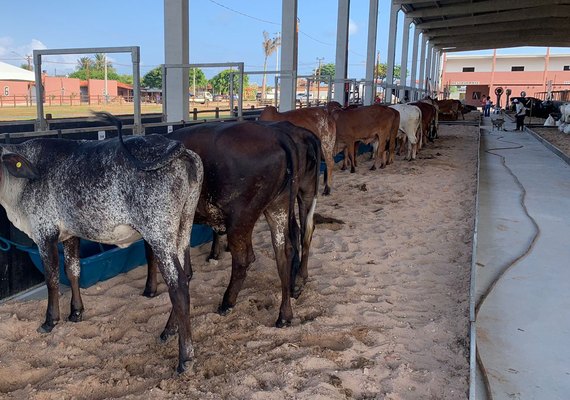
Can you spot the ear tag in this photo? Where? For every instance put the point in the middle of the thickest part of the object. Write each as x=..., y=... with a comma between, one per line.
x=18, y=164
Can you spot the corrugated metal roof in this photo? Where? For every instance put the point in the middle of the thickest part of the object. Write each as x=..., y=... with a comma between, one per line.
x=459, y=25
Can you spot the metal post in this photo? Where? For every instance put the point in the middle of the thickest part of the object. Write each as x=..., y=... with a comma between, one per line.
x=413, y=74
x=428, y=67
x=341, y=59
x=369, y=84
x=137, y=128
x=404, y=63
x=40, y=120
x=164, y=102
x=288, y=54
x=421, y=81
x=391, y=52
x=240, y=92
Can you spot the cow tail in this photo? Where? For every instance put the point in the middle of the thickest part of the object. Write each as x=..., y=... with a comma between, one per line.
x=112, y=120
x=292, y=183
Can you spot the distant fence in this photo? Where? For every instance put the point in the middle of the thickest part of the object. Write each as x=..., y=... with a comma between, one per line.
x=558, y=95
x=71, y=100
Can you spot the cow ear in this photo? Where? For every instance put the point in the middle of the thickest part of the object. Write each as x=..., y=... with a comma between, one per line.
x=18, y=166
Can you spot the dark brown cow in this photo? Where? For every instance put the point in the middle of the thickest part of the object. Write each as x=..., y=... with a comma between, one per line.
x=366, y=124
x=251, y=168
x=450, y=109
x=318, y=121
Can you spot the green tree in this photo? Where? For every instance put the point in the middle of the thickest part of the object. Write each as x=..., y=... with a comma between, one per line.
x=153, y=78
x=270, y=45
x=201, y=81
x=382, y=71
x=326, y=70
x=85, y=63
x=221, y=82
x=99, y=63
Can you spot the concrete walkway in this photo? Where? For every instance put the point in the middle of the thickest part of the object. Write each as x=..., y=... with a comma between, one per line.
x=522, y=268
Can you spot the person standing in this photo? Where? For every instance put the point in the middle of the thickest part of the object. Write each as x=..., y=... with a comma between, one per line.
x=520, y=113
x=488, y=104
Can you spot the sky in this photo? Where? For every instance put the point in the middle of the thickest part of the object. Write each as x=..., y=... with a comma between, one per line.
x=220, y=31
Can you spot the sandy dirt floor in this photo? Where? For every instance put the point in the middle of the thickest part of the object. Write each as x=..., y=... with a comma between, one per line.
x=383, y=316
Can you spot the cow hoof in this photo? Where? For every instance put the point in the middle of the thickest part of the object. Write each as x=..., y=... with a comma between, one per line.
x=352, y=170
x=149, y=293
x=167, y=334
x=373, y=168
x=327, y=191
x=46, y=328
x=224, y=310
x=184, y=366
x=213, y=257
x=75, y=316
x=282, y=323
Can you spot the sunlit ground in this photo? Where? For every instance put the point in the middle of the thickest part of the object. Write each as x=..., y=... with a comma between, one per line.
x=19, y=113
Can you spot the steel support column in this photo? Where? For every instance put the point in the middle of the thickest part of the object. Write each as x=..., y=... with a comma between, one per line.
x=392, y=30
x=341, y=60
x=176, y=51
x=404, y=62
x=427, y=84
x=421, y=81
x=370, y=84
x=288, y=55
x=413, y=74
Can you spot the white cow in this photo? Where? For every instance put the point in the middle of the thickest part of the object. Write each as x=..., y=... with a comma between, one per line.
x=564, y=121
x=410, y=127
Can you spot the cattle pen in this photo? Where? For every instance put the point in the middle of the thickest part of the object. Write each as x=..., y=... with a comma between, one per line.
x=391, y=251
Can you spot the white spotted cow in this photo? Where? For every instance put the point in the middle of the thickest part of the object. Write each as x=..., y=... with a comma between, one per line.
x=115, y=192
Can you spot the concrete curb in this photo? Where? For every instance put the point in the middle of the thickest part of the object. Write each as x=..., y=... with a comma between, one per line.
x=548, y=145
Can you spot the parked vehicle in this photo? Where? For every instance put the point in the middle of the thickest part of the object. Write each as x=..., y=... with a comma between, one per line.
x=201, y=97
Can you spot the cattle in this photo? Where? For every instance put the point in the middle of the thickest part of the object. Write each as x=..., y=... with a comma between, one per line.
x=449, y=109
x=318, y=121
x=254, y=168
x=410, y=127
x=114, y=192
x=366, y=124
x=429, y=116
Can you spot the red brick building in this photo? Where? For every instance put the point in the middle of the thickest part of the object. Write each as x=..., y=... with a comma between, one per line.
x=471, y=77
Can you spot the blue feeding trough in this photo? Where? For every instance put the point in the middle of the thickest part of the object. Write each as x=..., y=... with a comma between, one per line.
x=362, y=148
x=100, y=262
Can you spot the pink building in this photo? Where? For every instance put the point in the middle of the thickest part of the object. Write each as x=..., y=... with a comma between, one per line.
x=471, y=77
x=62, y=90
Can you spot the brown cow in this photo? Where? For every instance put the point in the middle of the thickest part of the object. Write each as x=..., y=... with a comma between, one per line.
x=450, y=109
x=429, y=130
x=366, y=124
x=318, y=121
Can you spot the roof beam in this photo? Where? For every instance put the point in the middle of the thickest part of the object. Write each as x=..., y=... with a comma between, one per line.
x=540, y=23
x=411, y=2
x=465, y=8
x=500, y=17
x=502, y=45
x=563, y=34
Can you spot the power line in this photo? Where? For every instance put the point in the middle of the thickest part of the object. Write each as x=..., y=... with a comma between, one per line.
x=244, y=14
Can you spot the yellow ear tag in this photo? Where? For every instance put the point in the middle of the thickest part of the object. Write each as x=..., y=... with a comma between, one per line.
x=18, y=164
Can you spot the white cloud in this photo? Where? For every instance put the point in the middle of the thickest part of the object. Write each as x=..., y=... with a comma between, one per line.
x=352, y=27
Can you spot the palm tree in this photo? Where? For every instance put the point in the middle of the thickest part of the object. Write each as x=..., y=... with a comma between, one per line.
x=100, y=60
x=270, y=45
x=84, y=63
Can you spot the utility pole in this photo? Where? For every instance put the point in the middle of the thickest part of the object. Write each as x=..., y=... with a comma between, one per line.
x=106, y=89
x=376, y=71
x=319, y=59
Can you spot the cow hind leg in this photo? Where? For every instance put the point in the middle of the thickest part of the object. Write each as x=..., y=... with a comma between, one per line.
x=50, y=259
x=278, y=219
x=72, y=270
x=307, y=206
x=177, y=282
x=151, y=284
x=329, y=161
x=241, y=248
